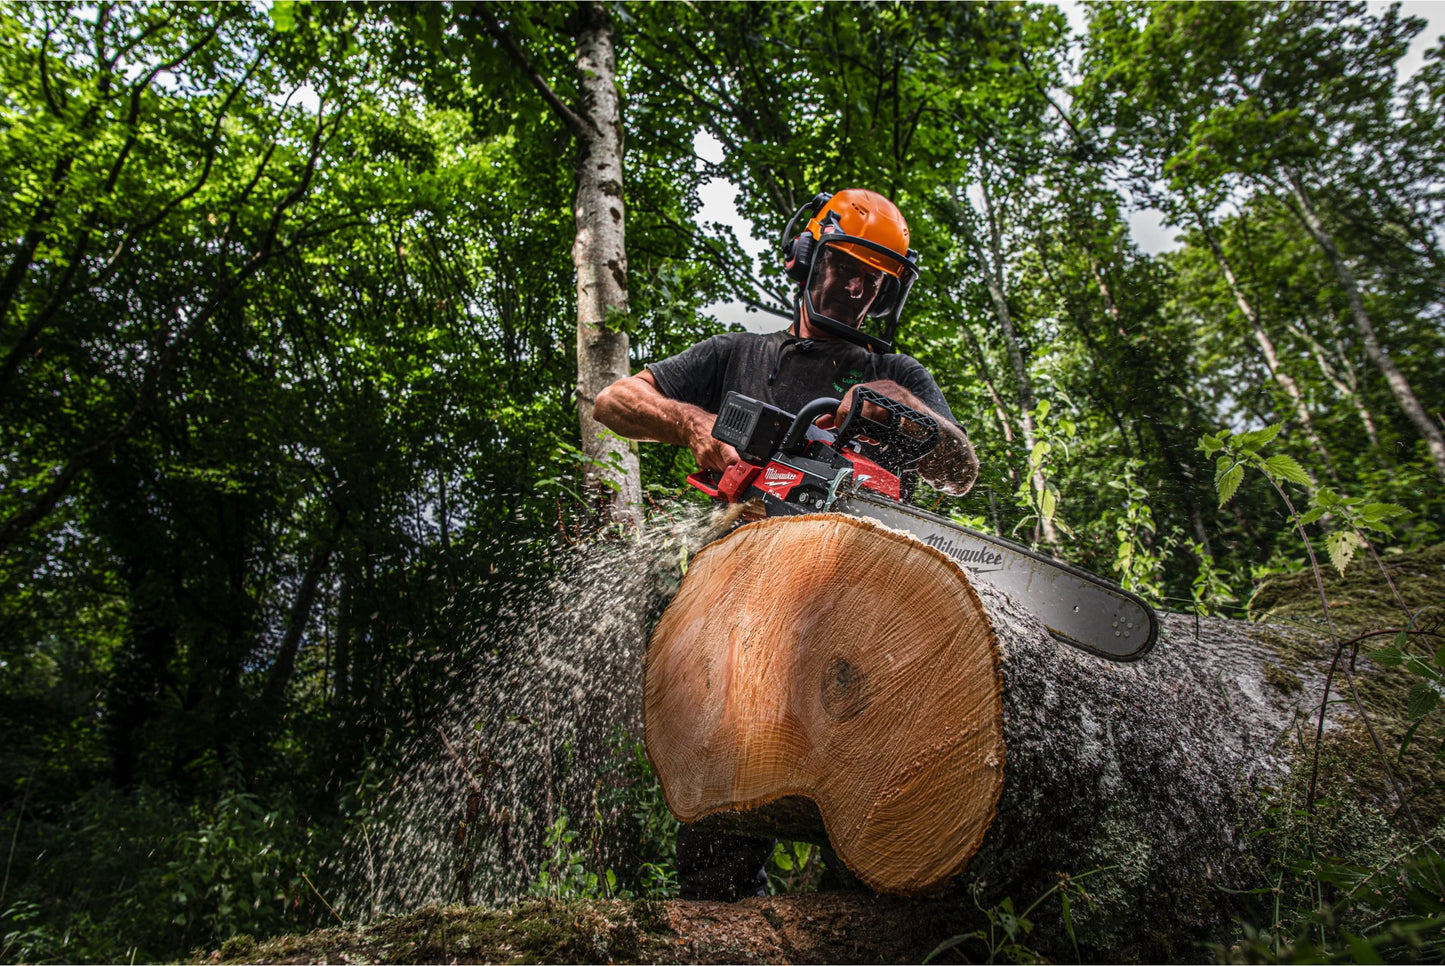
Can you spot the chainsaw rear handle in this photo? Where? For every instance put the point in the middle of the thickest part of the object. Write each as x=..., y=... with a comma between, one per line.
x=797, y=435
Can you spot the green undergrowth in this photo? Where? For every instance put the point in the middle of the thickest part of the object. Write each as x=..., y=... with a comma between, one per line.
x=1349, y=843
x=1362, y=603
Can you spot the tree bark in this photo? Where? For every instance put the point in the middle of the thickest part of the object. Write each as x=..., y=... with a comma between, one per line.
x=857, y=686
x=600, y=256
x=599, y=251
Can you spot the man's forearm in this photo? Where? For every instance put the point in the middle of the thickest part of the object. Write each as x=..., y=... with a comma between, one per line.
x=952, y=466
x=634, y=408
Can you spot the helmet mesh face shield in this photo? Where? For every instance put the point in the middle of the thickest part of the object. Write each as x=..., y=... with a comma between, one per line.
x=856, y=290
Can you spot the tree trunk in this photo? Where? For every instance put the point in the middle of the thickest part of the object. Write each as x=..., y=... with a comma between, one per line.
x=1345, y=380
x=825, y=675
x=599, y=251
x=991, y=261
x=600, y=255
x=1394, y=378
x=1266, y=344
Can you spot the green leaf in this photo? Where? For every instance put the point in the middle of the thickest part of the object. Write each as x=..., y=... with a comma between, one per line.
x=1342, y=545
x=1252, y=441
x=1423, y=699
x=1311, y=515
x=1048, y=503
x=1372, y=515
x=283, y=16
x=1387, y=656
x=1229, y=483
x=1287, y=467
x=1210, y=444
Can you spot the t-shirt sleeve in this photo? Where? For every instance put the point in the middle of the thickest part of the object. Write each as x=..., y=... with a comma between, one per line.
x=695, y=375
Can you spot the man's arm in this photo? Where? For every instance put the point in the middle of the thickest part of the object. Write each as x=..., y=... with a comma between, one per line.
x=952, y=466
x=634, y=407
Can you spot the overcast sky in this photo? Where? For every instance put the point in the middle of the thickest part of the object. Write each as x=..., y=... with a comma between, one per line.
x=719, y=198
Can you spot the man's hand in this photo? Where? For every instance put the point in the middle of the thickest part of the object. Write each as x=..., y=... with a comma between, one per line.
x=952, y=466
x=878, y=414
x=710, y=453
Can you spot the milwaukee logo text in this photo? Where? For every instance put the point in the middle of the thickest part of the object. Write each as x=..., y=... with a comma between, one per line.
x=968, y=555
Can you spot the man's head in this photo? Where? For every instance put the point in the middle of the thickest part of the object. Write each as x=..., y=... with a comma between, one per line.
x=853, y=265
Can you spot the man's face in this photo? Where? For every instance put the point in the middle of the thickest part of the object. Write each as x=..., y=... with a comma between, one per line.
x=843, y=288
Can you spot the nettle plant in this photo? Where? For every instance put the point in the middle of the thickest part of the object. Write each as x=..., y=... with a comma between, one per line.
x=1235, y=453
x=1399, y=907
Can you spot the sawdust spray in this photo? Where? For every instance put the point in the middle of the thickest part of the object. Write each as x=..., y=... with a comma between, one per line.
x=538, y=705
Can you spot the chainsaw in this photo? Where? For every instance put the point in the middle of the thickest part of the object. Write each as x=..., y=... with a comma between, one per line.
x=868, y=468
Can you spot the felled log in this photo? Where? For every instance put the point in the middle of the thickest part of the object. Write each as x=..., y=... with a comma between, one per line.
x=832, y=659
x=826, y=676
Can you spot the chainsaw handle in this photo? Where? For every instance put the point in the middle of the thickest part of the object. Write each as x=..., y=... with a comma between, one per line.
x=797, y=436
x=891, y=447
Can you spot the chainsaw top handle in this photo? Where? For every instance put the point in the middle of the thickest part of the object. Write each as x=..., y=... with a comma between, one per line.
x=797, y=436
x=892, y=443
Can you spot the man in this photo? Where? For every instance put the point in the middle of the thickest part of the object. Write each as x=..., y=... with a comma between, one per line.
x=854, y=268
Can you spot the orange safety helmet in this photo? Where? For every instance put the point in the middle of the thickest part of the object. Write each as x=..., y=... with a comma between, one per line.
x=852, y=263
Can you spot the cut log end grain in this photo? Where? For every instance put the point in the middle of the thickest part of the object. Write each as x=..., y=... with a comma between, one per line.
x=830, y=658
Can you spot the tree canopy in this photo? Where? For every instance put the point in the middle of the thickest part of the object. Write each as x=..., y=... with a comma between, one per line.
x=293, y=353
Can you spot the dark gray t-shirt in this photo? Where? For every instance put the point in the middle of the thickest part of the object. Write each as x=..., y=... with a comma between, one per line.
x=785, y=371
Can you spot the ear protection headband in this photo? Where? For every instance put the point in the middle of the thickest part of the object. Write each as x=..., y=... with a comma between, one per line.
x=798, y=250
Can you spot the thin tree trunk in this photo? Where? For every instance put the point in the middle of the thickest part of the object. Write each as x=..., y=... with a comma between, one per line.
x=1266, y=344
x=285, y=665
x=600, y=255
x=990, y=259
x=1399, y=385
x=1344, y=379
x=599, y=250
x=999, y=409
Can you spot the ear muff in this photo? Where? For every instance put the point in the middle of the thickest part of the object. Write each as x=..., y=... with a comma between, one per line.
x=798, y=249
x=798, y=257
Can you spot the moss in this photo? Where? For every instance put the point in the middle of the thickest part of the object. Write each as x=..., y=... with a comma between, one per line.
x=1281, y=680
x=1362, y=603
x=238, y=946
x=533, y=932
x=1361, y=600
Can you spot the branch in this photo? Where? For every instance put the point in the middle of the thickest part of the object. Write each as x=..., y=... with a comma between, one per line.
x=573, y=122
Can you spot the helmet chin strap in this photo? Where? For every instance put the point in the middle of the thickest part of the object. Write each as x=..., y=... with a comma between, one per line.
x=822, y=327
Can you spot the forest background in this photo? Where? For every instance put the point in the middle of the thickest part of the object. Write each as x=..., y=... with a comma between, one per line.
x=289, y=403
